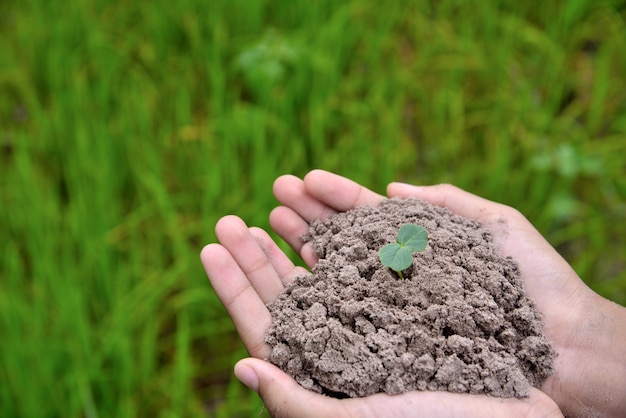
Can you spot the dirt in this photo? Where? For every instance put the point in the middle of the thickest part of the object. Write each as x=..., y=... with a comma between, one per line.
x=459, y=321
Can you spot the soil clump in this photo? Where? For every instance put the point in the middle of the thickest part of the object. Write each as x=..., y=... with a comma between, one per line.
x=459, y=321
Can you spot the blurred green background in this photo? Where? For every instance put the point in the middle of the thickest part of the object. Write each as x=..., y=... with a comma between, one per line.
x=128, y=128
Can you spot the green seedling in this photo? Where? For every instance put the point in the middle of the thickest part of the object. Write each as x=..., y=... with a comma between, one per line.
x=399, y=255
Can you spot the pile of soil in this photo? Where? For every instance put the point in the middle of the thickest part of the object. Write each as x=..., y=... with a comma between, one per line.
x=459, y=321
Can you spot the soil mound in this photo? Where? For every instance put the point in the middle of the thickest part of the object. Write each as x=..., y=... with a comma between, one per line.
x=459, y=321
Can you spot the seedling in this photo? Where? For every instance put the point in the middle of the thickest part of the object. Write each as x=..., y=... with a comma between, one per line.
x=399, y=255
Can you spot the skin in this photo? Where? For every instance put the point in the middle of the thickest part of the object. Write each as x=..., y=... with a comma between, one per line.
x=248, y=270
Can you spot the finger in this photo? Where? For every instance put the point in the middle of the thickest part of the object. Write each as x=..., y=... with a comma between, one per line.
x=240, y=299
x=320, y=195
x=450, y=404
x=234, y=234
x=291, y=192
x=542, y=268
x=501, y=219
x=446, y=195
x=337, y=192
x=283, y=266
x=290, y=226
x=282, y=395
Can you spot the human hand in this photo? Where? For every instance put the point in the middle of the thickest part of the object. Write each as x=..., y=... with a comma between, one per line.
x=584, y=328
x=248, y=270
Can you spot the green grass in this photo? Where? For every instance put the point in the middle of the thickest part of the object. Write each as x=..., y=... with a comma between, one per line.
x=128, y=128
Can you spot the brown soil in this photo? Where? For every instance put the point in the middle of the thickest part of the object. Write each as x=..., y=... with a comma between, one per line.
x=459, y=321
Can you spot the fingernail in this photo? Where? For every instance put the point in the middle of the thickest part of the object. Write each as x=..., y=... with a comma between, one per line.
x=400, y=184
x=247, y=376
x=406, y=187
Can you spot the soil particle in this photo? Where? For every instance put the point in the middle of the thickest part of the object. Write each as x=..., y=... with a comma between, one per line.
x=459, y=321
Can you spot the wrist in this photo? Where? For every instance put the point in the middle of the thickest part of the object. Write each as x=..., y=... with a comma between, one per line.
x=590, y=378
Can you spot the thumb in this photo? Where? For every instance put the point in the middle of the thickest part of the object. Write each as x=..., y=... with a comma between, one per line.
x=282, y=395
x=455, y=199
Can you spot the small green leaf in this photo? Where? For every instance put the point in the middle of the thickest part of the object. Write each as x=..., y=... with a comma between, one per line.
x=399, y=255
x=396, y=257
x=414, y=237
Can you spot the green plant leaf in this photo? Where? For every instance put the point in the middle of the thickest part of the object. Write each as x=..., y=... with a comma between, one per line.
x=396, y=257
x=414, y=237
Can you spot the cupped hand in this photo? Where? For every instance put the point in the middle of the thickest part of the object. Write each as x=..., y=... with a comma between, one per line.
x=248, y=270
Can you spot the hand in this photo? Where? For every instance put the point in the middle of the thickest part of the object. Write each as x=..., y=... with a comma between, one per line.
x=247, y=271
x=245, y=284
